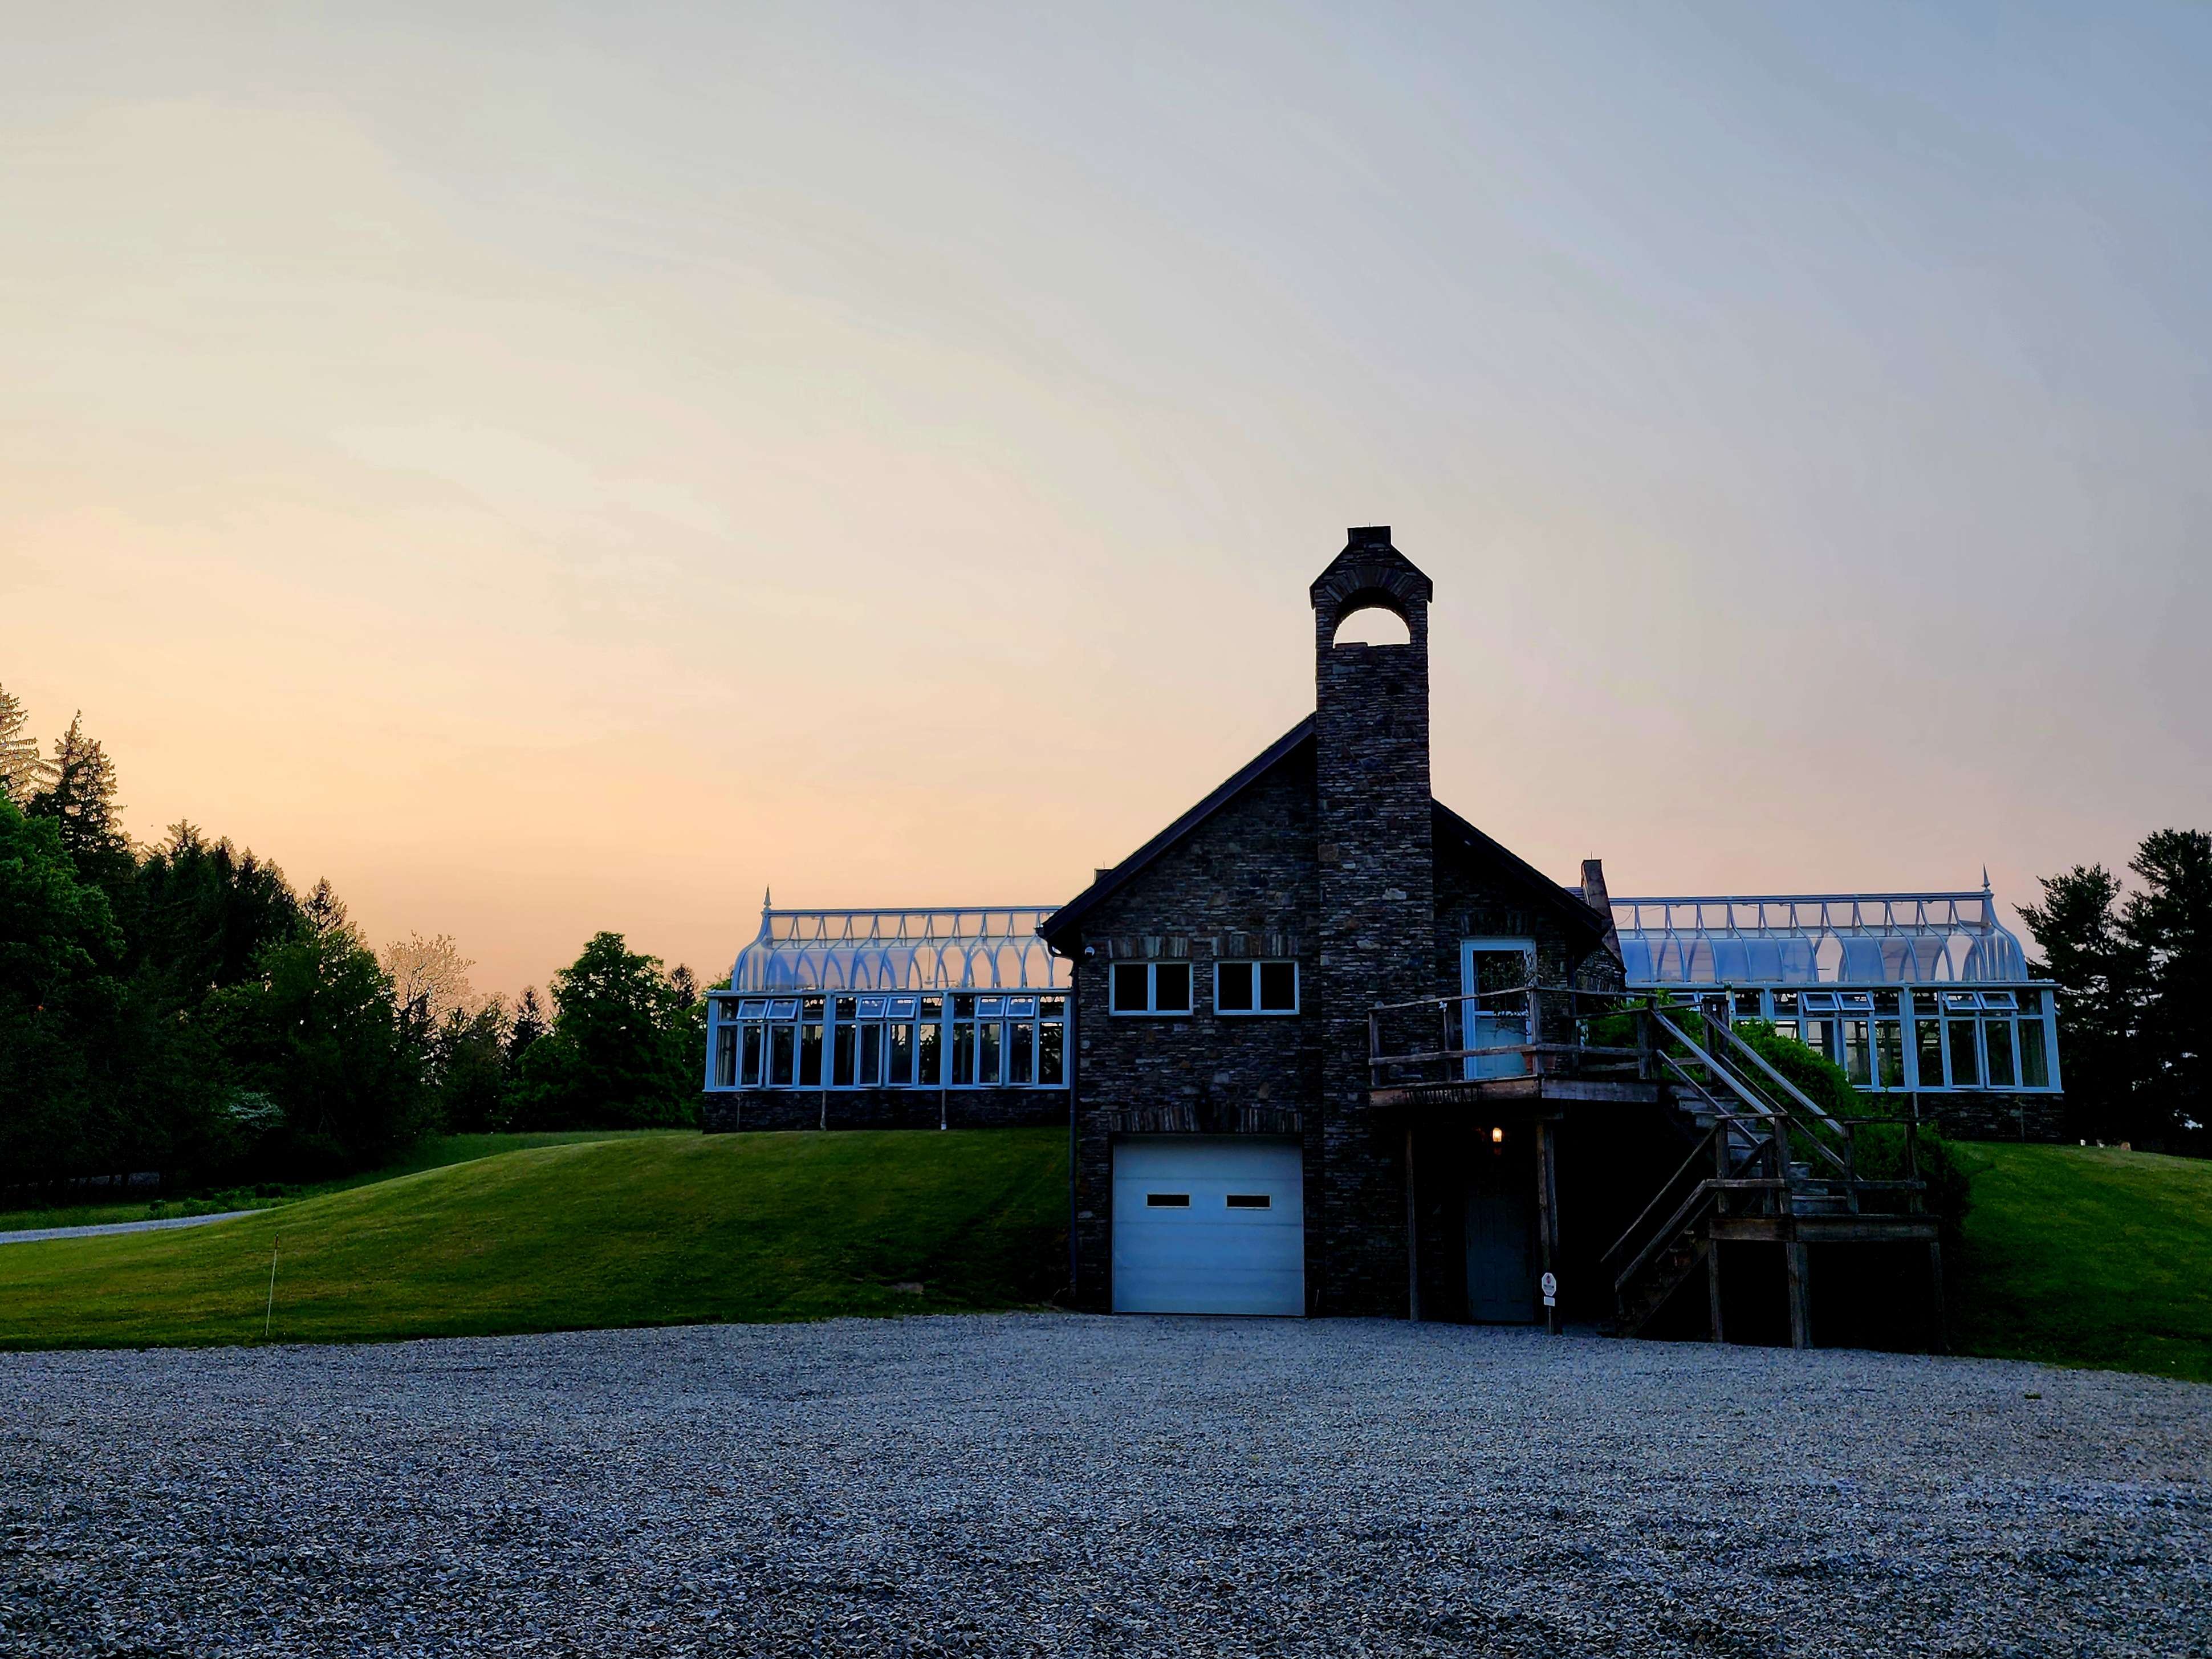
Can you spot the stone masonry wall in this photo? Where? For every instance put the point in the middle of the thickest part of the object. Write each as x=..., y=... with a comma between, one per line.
x=1998, y=1117
x=1243, y=884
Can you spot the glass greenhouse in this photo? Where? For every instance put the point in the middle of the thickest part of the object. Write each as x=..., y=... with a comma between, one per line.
x=1918, y=993
x=926, y=999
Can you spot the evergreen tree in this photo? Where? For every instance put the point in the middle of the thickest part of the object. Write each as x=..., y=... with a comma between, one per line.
x=325, y=912
x=319, y=1033
x=471, y=1066
x=58, y=946
x=79, y=797
x=619, y=1055
x=531, y=1022
x=22, y=773
x=2102, y=977
x=202, y=912
x=2168, y=927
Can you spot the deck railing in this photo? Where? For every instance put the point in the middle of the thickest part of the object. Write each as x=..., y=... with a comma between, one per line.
x=1807, y=1156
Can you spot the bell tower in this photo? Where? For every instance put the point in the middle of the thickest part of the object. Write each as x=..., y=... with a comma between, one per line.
x=1377, y=921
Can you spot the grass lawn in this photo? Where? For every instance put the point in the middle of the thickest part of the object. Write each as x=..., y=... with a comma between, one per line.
x=433, y=1154
x=651, y=1229
x=2088, y=1255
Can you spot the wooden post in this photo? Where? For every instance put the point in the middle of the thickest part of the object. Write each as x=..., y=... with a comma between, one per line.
x=1800, y=1313
x=1713, y=1285
x=1917, y=1203
x=1547, y=1214
x=1413, y=1237
x=1712, y=1232
x=1793, y=1251
x=1935, y=1293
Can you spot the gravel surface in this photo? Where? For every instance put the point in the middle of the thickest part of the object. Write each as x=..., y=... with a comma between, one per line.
x=33, y=1234
x=1052, y=1483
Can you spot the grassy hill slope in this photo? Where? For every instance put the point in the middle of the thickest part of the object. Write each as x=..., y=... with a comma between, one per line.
x=432, y=1154
x=649, y=1230
x=2088, y=1255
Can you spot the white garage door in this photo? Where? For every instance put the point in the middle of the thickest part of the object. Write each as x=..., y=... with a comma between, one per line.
x=1209, y=1225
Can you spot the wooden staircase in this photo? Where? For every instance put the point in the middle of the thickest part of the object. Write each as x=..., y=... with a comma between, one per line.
x=1766, y=1165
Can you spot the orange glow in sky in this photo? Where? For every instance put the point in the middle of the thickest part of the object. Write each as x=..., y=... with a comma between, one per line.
x=550, y=469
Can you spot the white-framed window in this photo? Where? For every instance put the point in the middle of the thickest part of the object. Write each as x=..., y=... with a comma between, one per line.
x=1150, y=987
x=890, y=1040
x=1255, y=988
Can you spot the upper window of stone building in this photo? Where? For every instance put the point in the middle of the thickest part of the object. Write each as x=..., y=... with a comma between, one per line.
x=1255, y=988
x=1151, y=988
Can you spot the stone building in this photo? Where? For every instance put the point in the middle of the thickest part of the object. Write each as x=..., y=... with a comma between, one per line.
x=1324, y=1047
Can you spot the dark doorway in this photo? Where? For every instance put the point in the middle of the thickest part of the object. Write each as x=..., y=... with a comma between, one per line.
x=1501, y=1232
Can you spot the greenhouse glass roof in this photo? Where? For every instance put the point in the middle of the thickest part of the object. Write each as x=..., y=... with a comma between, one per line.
x=1818, y=939
x=992, y=947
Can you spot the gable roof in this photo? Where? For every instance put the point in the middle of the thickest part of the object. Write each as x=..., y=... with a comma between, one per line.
x=1448, y=830
x=1057, y=924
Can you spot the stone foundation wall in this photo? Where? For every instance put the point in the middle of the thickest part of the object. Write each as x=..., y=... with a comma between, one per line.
x=724, y=1111
x=1998, y=1117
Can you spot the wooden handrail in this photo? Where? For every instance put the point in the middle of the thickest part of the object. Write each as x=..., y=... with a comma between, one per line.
x=1772, y=1110
x=1696, y=1152
x=1760, y=1060
x=1700, y=1196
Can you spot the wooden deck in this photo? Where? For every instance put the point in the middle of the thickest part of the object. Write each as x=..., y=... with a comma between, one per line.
x=1826, y=1228
x=1519, y=1091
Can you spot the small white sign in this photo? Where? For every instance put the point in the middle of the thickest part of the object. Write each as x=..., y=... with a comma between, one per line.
x=1550, y=1283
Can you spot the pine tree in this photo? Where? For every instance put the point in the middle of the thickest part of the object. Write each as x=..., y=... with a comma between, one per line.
x=22, y=773
x=326, y=912
x=80, y=798
x=2103, y=980
x=2169, y=924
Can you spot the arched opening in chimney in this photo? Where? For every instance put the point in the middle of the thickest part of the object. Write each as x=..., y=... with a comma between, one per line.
x=1373, y=623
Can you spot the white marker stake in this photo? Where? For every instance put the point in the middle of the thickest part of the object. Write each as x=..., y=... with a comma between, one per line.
x=271, y=1312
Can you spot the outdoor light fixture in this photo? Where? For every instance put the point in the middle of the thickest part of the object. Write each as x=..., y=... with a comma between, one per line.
x=1498, y=1137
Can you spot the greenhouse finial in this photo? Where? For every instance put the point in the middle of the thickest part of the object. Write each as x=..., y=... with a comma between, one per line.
x=1985, y=879
x=767, y=898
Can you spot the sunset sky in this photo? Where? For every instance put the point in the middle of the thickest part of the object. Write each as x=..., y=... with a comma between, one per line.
x=560, y=468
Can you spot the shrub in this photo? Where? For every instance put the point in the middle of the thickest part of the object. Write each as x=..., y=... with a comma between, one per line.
x=1880, y=1148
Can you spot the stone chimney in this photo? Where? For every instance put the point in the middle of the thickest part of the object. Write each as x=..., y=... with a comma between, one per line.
x=1377, y=922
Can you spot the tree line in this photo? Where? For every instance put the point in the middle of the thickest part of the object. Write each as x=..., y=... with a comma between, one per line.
x=182, y=1008
x=2134, y=972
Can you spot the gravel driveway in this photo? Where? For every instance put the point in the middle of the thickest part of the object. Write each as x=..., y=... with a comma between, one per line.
x=1053, y=1483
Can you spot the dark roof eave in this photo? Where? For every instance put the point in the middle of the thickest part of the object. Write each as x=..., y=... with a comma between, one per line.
x=1572, y=913
x=1057, y=925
